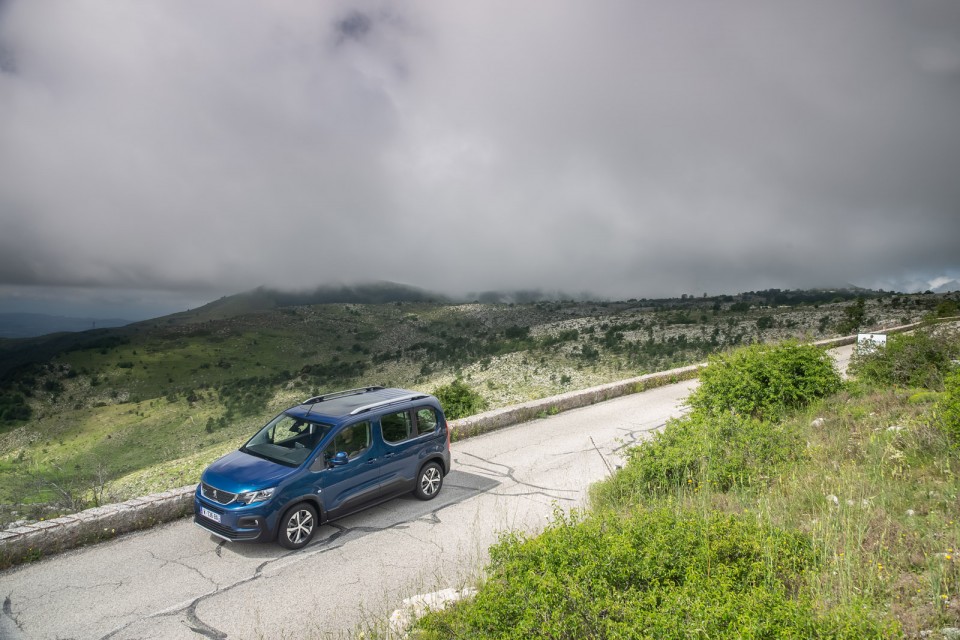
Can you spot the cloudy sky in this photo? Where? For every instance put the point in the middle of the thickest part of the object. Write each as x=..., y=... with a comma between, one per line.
x=157, y=154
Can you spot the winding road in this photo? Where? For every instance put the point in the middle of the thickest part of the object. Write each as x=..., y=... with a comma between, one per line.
x=176, y=581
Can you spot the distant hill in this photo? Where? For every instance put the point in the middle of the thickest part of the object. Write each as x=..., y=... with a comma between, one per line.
x=947, y=287
x=266, y=299
x=31, y=325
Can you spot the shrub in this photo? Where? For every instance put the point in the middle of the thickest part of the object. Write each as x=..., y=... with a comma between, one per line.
x=918, y=359
x=765, y=381
x=948, y=409
x=458, y=400
x=515, y=332
x=13, y=407
x=657, y=574
x=722, y=451
x=946, y=309
x=854, y=317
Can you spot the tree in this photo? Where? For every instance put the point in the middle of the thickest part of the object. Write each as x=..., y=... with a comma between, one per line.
x=458, y=400
x=854, y=316
x=946, y=309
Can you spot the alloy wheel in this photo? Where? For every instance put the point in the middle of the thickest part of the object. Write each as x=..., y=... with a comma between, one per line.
x=299, y=526
x=430, y=481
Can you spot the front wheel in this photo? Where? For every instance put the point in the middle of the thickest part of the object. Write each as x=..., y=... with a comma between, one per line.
x=297, y=526
x=429, y=481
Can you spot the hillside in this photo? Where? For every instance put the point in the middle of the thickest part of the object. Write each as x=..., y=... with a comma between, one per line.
x=785, y=503
x=111, y=413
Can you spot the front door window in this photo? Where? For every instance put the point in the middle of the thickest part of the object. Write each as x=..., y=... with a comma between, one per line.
x=353, y=440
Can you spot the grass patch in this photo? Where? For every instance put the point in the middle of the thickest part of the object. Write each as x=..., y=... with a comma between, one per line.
x=661, y=572
x=839, y=518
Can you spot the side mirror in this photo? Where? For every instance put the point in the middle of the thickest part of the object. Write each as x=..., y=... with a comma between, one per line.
x=339, y=460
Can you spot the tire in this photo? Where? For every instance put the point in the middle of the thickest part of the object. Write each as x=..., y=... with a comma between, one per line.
x=429, y=481
x=297, y=526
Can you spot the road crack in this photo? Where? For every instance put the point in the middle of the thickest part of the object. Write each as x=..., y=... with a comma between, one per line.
x=164, y=562
x=510, y=473
x=8, y=613
x=199, y=626
x=189, y=610
x=636, y=436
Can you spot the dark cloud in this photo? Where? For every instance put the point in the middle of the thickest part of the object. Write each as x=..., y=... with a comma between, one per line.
x=355, y=26
x=8, y=62
x=629, y=149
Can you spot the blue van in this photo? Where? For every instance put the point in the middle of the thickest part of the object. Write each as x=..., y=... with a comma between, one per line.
x=326, y=458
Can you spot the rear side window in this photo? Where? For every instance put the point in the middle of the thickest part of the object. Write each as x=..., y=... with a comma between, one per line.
x=426, y=421
x=396, y=427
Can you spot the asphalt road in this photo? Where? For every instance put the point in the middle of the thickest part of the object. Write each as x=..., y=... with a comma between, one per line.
x=176, y=581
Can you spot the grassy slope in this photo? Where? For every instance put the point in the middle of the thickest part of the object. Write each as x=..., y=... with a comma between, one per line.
x=147, y=406
x=869, y=509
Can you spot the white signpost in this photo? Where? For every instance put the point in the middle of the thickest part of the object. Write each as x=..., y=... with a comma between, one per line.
x=871, y=341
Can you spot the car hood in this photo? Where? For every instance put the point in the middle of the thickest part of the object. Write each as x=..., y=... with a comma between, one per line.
x=239, y=472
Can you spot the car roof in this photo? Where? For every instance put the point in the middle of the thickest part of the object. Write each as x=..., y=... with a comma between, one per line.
x=341, y=405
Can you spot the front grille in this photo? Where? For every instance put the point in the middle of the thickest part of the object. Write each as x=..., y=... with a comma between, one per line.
x=217, y=495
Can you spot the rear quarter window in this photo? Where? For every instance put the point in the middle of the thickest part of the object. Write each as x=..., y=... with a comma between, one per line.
x=426, y=421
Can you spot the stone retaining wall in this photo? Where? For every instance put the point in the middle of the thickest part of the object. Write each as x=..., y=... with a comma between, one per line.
x=92, y=525
x=100, y=523
x=516, y=414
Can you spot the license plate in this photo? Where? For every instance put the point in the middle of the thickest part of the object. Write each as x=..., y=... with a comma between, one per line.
x=206, y=513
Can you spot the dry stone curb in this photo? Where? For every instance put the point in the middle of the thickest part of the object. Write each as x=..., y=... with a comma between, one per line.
x=59, y=534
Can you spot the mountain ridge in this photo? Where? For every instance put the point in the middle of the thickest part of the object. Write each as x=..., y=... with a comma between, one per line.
x=30, y=325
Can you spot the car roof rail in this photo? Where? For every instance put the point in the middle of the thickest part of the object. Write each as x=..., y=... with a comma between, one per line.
x=381, y=403
x=341, y=394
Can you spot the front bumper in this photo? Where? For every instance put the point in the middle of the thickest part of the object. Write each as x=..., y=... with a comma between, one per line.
x=233, y=525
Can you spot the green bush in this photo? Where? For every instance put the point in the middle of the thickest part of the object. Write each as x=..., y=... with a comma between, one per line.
x=458, y=400
x=854, y=317
x=720, y=451
x=919, y=359
x=765, y=382
x=946, y=309
x=654, y=574
x=764, y=322
x=13, y=407
x=948, y=408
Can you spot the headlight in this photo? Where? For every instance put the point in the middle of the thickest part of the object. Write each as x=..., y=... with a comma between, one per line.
x=249, y=497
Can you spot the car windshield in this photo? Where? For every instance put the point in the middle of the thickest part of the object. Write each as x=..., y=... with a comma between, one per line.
x=287, y=440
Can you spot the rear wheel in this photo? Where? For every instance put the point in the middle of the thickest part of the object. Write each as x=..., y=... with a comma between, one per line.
x=297, y=526
x=429, y=481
